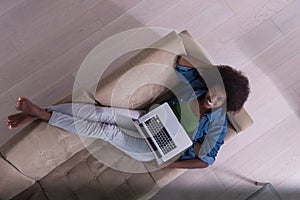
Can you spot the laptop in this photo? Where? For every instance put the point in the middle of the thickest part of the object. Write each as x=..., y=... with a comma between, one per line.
x=163, y=132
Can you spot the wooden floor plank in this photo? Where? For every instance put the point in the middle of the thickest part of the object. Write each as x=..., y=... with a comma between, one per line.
x=178, y=15
x=7, y=104
x=286, y=74
x=146, y=11
x=7, y=108
x=115, y=8
x=51, y=24
x=7, y=51
x=288, y=19
x=241, y=50
x=59, y=90
x=241, y=24
x=53, y=71
x=23, y=14
x=238, y=6
x=296, y=88
x=6, y=5
x=278, y=53
x=187, y=189
x=283, y=170
x=207, y=20
x=261, y=151
x=289, y=189
x=37, y=57
x=206, y=190
x=265, y=119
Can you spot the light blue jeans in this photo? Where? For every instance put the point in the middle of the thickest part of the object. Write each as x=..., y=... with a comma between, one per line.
x=100, y=122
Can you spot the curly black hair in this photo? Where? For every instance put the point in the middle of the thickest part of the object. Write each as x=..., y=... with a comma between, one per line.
x=236, y=84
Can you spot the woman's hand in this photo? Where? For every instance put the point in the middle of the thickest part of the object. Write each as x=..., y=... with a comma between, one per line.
x=184, y=62
x=189, y=164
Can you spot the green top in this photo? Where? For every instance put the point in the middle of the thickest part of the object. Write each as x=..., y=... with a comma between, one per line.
x=186, y=117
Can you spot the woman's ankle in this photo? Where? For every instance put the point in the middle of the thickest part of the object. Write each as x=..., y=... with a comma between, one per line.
x=44, y=115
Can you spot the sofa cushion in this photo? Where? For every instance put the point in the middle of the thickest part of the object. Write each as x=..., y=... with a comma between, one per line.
x=34, y=192
x=114, y=158
x=12, y=181
x=84, y=177
x=39, y=148
x=138, y=82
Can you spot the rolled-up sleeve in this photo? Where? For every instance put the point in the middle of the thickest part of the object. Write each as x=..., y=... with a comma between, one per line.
x=212, y=143
x=191, y=76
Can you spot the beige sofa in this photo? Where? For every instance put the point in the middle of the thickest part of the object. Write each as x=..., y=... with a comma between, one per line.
x=44, y=162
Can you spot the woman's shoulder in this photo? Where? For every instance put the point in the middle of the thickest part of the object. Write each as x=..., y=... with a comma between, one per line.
x=218, y=116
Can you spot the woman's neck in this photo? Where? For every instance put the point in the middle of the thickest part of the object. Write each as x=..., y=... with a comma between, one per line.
x=203, y=109
x=198, y=108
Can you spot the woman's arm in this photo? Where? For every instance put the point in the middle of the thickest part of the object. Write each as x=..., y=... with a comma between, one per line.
x=184, y=62
x=187, y=62
x=189, y=164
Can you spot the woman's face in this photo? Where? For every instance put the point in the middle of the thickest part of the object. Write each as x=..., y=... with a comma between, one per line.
x=215, y=97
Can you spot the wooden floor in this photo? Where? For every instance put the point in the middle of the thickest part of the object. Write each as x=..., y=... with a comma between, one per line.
x=43, y=42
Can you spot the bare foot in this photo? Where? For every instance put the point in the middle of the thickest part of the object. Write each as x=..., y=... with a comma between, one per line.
x=17, y=120
x=23, y=104
x=26, y=106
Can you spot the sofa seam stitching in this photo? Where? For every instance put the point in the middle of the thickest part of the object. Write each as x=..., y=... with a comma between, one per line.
x=43, y=191
x=11, y=164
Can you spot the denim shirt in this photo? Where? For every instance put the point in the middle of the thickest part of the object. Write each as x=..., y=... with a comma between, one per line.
x=212, y=127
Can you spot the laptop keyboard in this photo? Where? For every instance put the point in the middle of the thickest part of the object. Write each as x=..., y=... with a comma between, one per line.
x=160, y=134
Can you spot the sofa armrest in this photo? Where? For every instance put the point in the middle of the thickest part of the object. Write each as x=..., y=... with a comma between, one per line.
x=194, y=49
x=240, y=120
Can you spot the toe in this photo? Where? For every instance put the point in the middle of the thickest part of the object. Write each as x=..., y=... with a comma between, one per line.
x=9, y=123
x=19, y=105
x=11, y=120
x=10, y=126
x=22, y=99
x=15, y=117
x=10, y=117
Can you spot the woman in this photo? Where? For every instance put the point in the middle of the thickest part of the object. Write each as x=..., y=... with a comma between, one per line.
x=202, y=113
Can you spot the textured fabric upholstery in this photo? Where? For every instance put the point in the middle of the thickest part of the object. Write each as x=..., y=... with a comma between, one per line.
x=34, y=192
x=39, y=148
x=11, y=180
x=84, y=177
x=138, y=82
